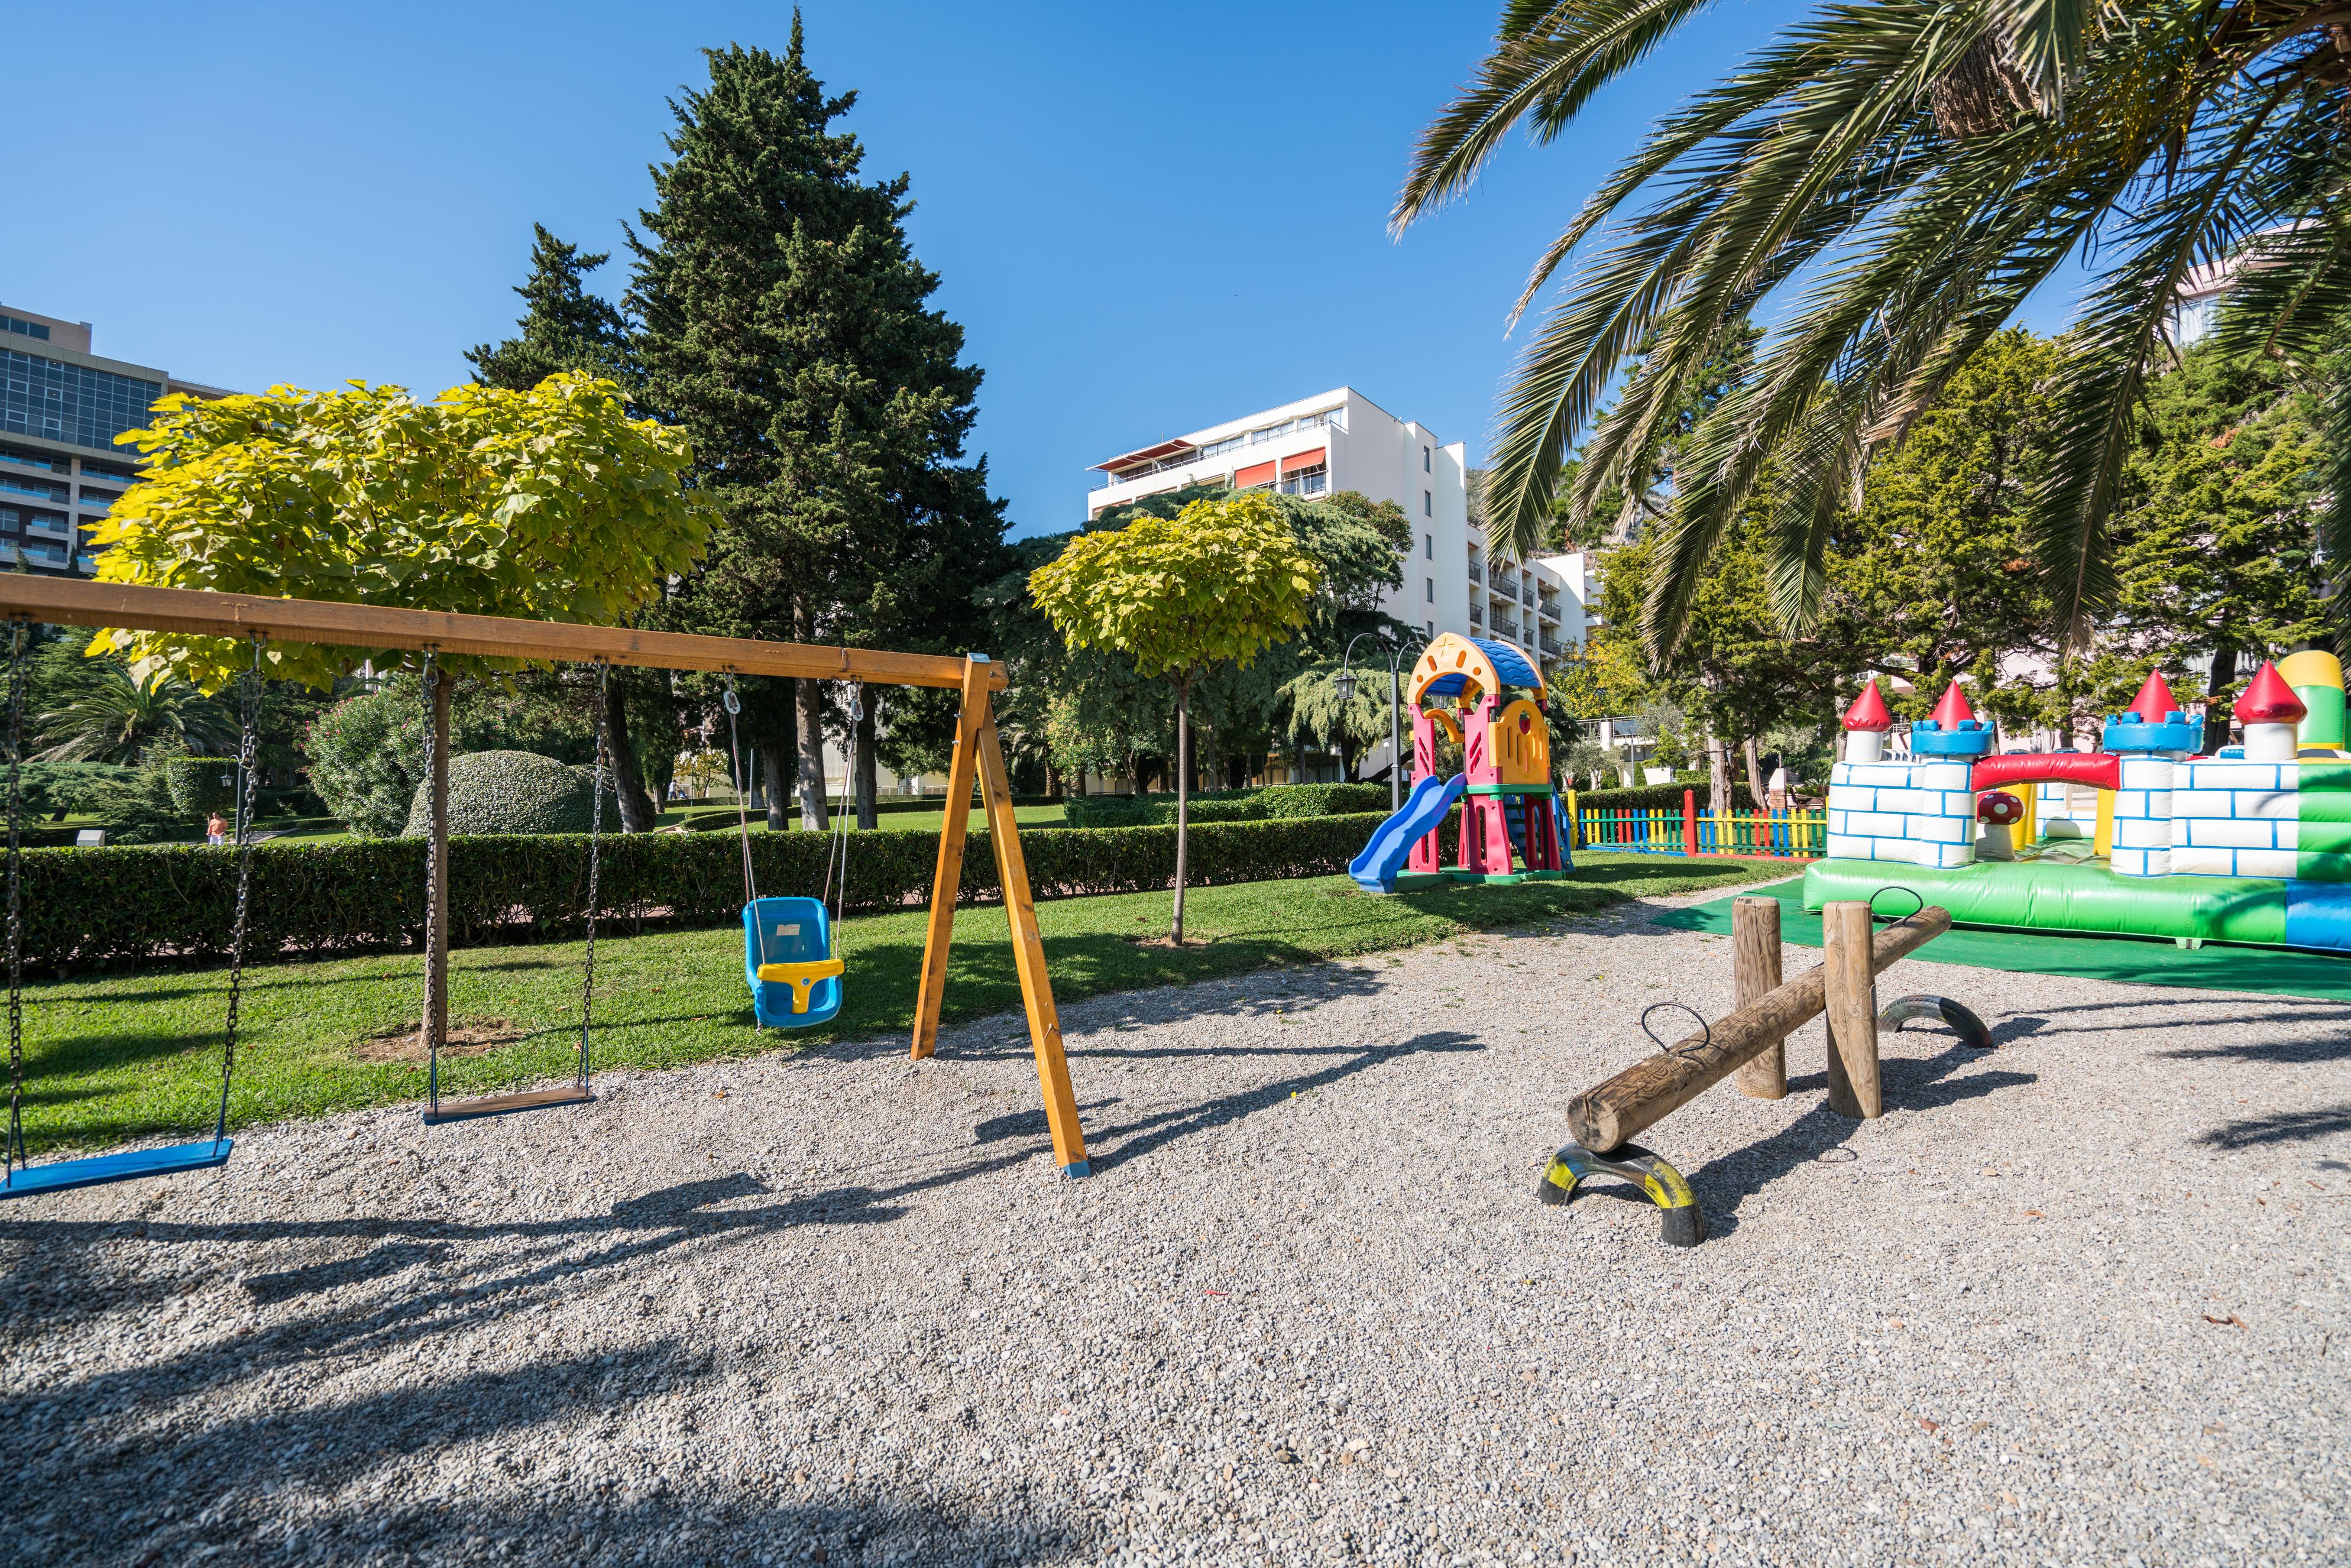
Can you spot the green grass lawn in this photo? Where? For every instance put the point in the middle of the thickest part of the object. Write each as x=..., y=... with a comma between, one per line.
x=115, y=1058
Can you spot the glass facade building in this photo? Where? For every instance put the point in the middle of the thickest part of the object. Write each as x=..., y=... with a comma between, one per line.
x=61, y=406
x=80, y=405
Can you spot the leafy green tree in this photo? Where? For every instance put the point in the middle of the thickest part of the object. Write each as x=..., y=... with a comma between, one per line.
x=567, y=329
x=2218, y=545
x=546, y=505
x=1220, y=584
x=563, y=328
x=785, y=327
x=366, y=756
x=1903, y=177
x=115, y=717
x=1934, y=573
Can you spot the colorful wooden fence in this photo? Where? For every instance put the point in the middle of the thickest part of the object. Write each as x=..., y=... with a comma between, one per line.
x=1662, y=830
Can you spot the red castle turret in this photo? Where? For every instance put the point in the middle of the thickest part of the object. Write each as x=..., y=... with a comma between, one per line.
x=1868, y=710
x=2154, y=699
x=2268, y=700
x=1953, y=710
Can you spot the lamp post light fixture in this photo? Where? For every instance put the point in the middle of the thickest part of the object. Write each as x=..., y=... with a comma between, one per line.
x=1344, y=683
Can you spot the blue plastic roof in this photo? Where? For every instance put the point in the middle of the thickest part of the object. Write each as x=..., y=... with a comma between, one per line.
x=1509, y=663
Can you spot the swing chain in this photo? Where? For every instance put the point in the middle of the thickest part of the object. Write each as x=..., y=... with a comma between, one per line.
x=18, y=628
x=432, y=883
x=739, y=776
x=247, y=784
x=595, y=858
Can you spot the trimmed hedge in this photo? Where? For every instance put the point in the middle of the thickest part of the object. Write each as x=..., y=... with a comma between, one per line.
x=511, y=792
x=84, y=908
x=202, y=785
x=1278, y=801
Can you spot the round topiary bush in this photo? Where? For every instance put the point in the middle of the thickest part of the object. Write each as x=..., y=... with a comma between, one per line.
x=202, y=785
x=514, y=792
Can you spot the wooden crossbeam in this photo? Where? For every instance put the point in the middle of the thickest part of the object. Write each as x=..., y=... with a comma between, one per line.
x=76, y=602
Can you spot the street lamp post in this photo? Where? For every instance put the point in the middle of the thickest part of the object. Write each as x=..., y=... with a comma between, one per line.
x=1343, y=682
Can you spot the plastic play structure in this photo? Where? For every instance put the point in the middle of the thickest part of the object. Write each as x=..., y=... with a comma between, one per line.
x=791, y=962
x=2141, y=838
x=1507, y=803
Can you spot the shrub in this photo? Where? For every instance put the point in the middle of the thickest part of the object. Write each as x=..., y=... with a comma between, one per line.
x=496, y=792
x=139, y=808
x=1227, y=805
x=60, y=788
x=367, y=755
x=200, y=786
x=110, y=906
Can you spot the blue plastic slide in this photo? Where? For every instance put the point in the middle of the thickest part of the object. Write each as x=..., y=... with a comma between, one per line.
x=1376, y=868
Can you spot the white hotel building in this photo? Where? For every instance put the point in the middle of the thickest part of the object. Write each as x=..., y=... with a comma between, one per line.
x=1343, y=440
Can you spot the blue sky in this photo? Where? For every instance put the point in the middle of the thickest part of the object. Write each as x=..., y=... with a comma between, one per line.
x=1146, y=218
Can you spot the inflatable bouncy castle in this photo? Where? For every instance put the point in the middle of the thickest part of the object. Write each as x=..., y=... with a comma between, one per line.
x=2140, y=838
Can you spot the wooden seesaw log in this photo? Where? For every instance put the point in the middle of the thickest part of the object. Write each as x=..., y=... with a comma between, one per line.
x=1609, y=1115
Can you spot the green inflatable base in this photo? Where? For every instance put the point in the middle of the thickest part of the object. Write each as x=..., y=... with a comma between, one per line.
x=2053, y=895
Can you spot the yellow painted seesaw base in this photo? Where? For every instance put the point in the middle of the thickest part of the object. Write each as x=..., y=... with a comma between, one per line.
x=801, y=978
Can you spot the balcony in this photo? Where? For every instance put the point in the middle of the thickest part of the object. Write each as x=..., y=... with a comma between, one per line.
x=1550, y=646
x=1507, y=630
x=1548, y=610
x=1476, y=616
x=1313, y=482
x=1501, y=581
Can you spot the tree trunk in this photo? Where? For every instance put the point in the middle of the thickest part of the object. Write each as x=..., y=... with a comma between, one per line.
x=1346, y=758
x=1750, y=752
x=436, y=948
x=1718, y=774
x=1182, y=796
x=1209, y=761
x=775, y=769
x=868, y=781
x=813, y=808
x=2216, y=713
x=638, y=814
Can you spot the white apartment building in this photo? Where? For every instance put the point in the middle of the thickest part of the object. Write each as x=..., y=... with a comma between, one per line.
x=1342, y=440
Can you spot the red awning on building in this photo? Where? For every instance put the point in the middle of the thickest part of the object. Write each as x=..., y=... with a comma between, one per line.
x=1144, y=454
x=1299, y=460
x=1256, y=473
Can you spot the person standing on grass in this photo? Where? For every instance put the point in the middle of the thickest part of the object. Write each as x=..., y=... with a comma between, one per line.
x=215, y=830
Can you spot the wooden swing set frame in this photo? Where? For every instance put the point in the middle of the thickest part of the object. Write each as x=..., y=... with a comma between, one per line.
x=979, y=752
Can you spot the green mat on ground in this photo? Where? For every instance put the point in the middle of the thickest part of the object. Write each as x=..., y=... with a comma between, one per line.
x=2273, y=971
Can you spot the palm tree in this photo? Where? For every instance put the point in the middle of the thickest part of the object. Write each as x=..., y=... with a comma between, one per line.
x=115, y=717
x=1904, y=174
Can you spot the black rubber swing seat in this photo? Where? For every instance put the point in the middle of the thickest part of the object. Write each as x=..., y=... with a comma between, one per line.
x=131, y=1165
x=506, y=1104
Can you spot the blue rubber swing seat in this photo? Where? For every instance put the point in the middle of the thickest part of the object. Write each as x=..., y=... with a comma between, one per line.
x=131, y=1165
x=787, y=960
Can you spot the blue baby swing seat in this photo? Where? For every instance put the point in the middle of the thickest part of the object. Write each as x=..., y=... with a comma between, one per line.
x=787, y=959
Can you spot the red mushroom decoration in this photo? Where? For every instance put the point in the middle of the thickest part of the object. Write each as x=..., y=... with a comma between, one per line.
x=1999, y=812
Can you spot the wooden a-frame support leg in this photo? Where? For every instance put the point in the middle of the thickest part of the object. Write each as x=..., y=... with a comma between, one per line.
x=978, y=751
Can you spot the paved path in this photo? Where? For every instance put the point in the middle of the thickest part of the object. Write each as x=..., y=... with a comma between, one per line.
x=2082, y=1299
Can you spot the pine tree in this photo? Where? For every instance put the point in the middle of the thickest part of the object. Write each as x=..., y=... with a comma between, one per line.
x=784, y=328
x=565, y=327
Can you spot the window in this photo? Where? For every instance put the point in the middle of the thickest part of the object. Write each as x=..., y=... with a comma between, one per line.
x=1432, y=628
x=1427, y=505
x=1428, y=546
x=25, y=329
x=106, y=473
x=1424, y=461
x=25, y=459
x=71, y=403
x=1431, y=585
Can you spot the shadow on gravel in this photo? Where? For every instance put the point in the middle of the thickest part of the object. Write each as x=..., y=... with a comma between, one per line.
x=2283, y=1127
x=1725, y=1182
x=1113, y=1146
x=2291, y=1052
x=229, y=1481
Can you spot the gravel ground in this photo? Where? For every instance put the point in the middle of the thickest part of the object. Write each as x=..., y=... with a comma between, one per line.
x=2069, y=1301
